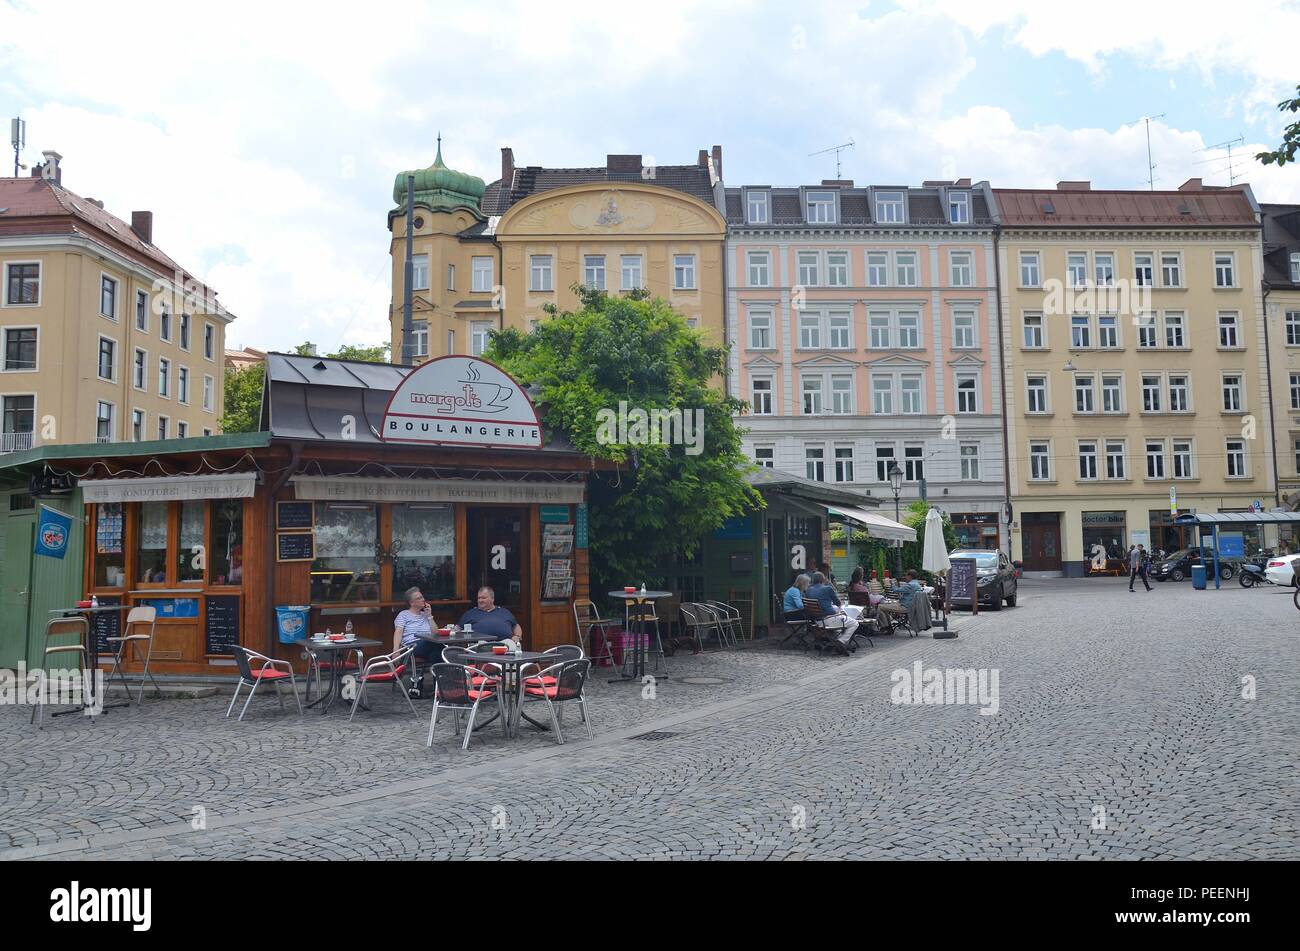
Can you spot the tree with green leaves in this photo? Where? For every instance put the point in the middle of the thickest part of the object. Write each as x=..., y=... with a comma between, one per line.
x=242, y=412
x=618, y=356
x=871, y=552
x=1290, y=135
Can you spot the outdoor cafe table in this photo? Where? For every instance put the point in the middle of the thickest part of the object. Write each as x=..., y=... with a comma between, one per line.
x=336, y=666
x=639, y=641
x=512, y=685
x=92, y=647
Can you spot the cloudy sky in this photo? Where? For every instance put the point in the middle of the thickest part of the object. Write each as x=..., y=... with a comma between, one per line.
x=266, y=136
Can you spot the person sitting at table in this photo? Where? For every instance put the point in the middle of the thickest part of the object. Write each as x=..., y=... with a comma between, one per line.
x=792, y=603
x=411, y=627
x=856, y=582
x=491, y=621
x=834, y=617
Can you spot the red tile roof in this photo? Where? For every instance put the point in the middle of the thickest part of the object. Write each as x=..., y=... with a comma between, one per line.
x=1215, y=207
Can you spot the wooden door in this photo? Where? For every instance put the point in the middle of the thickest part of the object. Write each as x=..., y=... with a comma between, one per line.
x=1043, y=544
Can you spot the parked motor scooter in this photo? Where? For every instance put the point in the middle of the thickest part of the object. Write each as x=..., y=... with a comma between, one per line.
x=1252, y=571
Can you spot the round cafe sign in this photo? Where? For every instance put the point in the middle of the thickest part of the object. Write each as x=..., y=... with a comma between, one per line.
x=461, y=401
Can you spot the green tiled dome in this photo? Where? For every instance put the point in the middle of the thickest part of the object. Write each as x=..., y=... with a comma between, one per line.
x=440, y=187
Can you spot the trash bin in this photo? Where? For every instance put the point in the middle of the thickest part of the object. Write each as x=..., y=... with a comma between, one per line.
x=292, y=621
x=1198, y=577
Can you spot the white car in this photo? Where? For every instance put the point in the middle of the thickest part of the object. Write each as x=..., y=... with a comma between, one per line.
x=1281, y=569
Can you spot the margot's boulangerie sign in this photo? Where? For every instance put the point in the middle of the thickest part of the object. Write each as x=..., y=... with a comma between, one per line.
x=461, y=401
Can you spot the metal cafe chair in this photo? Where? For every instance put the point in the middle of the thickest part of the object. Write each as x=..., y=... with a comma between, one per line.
x=135, y=619
x=728, y=620
x=796, y=628
x=271, y=671
x=643, y=614
x=384, y=668
x=570, y=677
x=351, y=660
x=455, y=690
x=589, y=620
x=59, y=632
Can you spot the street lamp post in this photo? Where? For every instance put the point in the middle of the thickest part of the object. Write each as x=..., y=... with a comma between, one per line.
x=896, y=483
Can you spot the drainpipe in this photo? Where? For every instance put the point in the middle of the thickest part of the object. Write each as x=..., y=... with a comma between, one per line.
x=1272, y=419
x=1002, y=349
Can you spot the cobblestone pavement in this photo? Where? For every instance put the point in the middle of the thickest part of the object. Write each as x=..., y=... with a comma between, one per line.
x=1115, y=710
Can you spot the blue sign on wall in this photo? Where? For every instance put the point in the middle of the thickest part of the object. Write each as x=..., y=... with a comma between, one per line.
x=1232, y=546
x=735, y=529
x=53, y=529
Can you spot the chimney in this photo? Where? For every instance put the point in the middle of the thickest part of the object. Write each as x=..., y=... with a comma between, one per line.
x=1074, y=186
x=623, y=163
x=142, y=225
x=97, y=202
x=703, y=160
x=837, y=183
x=507, y=169
x=50, y=171
x=1191, y=185
x=962, y=183
x=717, y=161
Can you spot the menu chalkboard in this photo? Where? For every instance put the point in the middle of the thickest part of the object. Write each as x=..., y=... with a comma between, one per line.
x=221, y=626
x=961, y=580
x=106, y=624
x=293, y=515
x=295, y=546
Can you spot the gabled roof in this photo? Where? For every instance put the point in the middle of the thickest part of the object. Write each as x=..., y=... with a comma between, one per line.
x=925, y=206
x=499, y=197
x=1084, y=207
x=787, y=483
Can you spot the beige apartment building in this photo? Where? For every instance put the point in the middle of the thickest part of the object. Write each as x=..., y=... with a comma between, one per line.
x=490, y=256
x=103, y=337
x=1135, y=362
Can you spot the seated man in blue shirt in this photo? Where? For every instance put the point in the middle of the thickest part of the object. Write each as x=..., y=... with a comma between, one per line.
x=909, y=589
x=826, y=596
x=490, y=621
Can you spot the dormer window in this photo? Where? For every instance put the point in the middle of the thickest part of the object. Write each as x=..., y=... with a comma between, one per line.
x=821, y=207
x=756, y=208
x=1295, y=269
x=889, y=208
x=959, y=208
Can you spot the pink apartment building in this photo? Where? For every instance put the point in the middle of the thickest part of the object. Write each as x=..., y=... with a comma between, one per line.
x=864, y=335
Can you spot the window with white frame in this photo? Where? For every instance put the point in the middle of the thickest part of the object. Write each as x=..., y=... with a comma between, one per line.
x=842, y=402
x=756, y=207
x=1112, y=393
x=419, y=272
x=165, y=324
x=1155, y=458
x=630, y=266
x=23, y=284
x=1232, y=392
x=910, y=394
x=840, y=325
x=884, y=459
x=1087, y=460
x=1031, y=272
x=1103, y=267
x=837, y=268
x=882, y=394
x=765, y=457
x=1293, y=328
x=1144, y=264
x=480, y=274
x=820, y=207
x=684, y=272
x=541, y=273
x=1115, y=465
x=1171, y=269
x=963, y=329
x=107, y=359
x=878, y=324
x=843, y=463
x=1033, y=327
x=1295, y=392
x=162, y=427
x=1080, y=331
x=108, y=297
x=209, y=391
x=1235, y=452
x=905, y=269
x=913, y=463
x=1036, y=393
x=815, y=463
x=140, y=369
x=20, y=347
x=1225, y=269
x=480, y=331
x=1229, y=335
x=877, y=268
x=1295, y=446
x=1083, y=393
x=1179, y=393
x=809, y=268
x=164, y=376
x=1147, y=334
x=142, y=311
x=1108, y=331
x=451, y=341
x=970, y=461
x=593, y=271
x=451, y=277
x=183, y=384
x=759, y=266
x=760, y=330
x=810, y=330
x=1076, y=268
x=1152, y=385
x=963, y=268
x=420, y=338
x=760, y=395
x=209, y=341
x=1295, y=268
x=812, y=395
x=967, y=393
x=1040, y=461
x=959, y=208
x=186, y=320
x=1181, y=458
x=909, y=329
x=890, y=208
x=137, y=425
x=1174, y=329
x=103, y=421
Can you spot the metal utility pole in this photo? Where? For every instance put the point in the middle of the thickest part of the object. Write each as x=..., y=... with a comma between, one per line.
x=408, y=275
x=1151, y=166
x=18, y=138
x=837, y=149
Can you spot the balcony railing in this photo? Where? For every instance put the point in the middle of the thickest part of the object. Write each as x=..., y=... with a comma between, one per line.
x=16, y=442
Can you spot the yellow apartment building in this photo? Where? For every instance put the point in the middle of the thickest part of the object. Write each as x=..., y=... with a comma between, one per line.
x=490, y=256
x=103, y=337
x=1135, y=355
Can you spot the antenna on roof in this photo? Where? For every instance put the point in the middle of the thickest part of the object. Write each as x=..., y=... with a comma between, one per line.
x=1232, y=168
x=837, y=149
x=18, y=138
x=1151, y=166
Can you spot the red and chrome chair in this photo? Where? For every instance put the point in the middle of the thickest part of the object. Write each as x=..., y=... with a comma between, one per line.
x=454, y=690
x=384, y=669
x=271, y=671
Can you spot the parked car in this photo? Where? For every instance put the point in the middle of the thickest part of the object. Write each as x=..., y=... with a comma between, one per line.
x=1281, y=570
x=1178, y=566
x=995, y=578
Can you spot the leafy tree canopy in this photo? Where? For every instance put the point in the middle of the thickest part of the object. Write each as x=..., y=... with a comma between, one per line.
x=1290, y=135
x=243, y=401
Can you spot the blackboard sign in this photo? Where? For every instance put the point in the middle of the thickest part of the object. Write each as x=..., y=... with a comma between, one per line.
x=295, y=546
x=106, y=624
x=293, y=515
x=221, y=626
x=961, y=580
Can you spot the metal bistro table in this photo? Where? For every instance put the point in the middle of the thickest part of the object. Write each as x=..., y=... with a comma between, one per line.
x=92, y=651
x=512, y=685
x=640, y=643
x=336, y=665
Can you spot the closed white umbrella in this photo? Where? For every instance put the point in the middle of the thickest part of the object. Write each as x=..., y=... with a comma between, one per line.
x=934, y=556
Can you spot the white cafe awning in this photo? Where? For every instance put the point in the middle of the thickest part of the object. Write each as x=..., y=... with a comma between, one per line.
x=877, y=526
x=235, y=485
